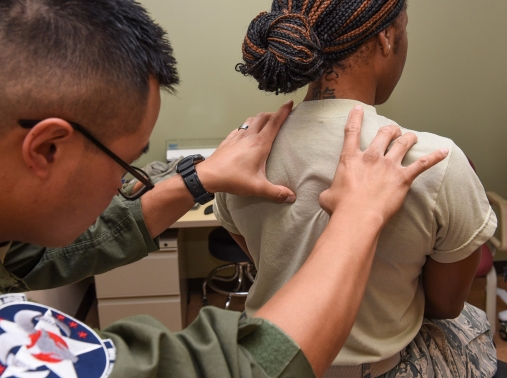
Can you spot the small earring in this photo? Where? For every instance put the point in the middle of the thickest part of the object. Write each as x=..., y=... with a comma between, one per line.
x=389, y=47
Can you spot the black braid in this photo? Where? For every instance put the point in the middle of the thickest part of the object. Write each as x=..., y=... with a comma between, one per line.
x=294, y=44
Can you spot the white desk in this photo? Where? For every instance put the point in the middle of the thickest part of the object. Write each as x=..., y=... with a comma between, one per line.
x=197, y=218
x=155, y=285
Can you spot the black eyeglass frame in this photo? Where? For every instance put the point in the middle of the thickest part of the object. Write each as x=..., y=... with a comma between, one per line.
x=134, y=171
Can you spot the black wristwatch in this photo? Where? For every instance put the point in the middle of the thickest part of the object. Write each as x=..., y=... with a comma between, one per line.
x=186, y=168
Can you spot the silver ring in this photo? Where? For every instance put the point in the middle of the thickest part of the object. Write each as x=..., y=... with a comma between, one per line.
x=243, y=127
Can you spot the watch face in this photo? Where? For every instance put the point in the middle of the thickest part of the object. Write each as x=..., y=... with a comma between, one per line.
x=188, y=161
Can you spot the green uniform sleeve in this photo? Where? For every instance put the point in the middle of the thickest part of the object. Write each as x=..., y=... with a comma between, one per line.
x=215, y=345
x=118, y=237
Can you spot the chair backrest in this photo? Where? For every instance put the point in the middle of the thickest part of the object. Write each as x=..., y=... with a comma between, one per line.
x=486, y=256
x=222, y=246
x=494, y=199
x=500, y=243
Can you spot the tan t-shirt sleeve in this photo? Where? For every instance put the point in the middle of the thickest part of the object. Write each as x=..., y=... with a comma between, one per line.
x=464, y=219
x=222, y=213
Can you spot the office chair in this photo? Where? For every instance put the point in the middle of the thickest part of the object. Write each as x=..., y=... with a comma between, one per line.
x=500, y=243
x=222, y=246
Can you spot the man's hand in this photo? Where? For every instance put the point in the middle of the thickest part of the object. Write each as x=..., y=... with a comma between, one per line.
x=374, y=181
x=238, y=166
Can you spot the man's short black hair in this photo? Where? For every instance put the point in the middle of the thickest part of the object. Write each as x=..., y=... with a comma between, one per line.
x=89, y=61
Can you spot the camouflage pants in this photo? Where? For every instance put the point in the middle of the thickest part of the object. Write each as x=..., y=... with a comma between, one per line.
x=457, y=348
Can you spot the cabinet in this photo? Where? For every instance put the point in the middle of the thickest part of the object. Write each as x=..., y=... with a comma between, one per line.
x=154, y=286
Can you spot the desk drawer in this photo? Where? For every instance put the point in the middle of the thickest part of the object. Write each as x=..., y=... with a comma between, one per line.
x=155, y=275
x=167, y=310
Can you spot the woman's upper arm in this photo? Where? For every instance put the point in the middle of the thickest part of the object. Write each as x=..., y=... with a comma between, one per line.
x=446, y=285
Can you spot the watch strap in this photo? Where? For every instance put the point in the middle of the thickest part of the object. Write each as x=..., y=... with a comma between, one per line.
x=186, y=168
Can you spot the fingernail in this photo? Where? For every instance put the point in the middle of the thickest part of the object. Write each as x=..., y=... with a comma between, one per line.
x=289, y=102
x=290, y=199
x=358, y=107
x=445, y=151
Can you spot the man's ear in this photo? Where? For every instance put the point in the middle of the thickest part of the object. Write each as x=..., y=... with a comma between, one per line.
x=384, y=41
x=43, y=144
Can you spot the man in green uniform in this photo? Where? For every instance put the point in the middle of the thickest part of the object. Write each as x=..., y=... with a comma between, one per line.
x=78, y=101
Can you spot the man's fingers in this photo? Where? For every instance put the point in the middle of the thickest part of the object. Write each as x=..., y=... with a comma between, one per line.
x=234, y=132
x=426, y=162
x=256, y=124
x=384, y=137
x=248, y=122
x=272, y=127
x=353, y=131
x=276, y=193
x=401, y=145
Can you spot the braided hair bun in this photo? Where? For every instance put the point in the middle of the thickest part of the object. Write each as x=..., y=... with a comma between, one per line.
x=281, y=52
x=292, y=46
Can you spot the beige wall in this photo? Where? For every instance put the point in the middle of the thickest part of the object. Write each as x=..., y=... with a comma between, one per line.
x=454, y=84
x=455, y=81
x=213, y=98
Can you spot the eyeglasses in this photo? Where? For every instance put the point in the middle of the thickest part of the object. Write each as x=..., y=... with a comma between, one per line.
x=134, y=171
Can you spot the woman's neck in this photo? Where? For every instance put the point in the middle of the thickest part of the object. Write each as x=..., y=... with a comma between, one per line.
x=344, y=84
